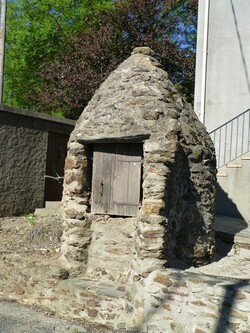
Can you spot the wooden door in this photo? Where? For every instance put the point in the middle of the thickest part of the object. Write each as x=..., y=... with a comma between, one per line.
x=116, y=181
x=56, y=154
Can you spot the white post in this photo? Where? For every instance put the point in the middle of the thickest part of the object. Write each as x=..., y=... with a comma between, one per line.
x=204, y=62
x=2, y=45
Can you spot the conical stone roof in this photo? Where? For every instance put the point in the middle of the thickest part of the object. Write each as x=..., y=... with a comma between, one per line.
x=137, y=98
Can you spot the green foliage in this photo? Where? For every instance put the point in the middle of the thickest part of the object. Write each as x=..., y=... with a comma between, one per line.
x=91, y=54
x=35, y=31
x=58, y=52
x=198, y=152
x=58, y=114
x=31, y=218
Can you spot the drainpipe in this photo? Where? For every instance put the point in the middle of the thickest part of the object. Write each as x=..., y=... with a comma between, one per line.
x=204, y=62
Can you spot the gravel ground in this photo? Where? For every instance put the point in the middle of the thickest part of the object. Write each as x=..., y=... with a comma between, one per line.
x=17, y=318
x=37, y=238
x=30, y=234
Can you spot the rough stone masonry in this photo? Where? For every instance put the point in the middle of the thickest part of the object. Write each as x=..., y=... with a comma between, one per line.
x=138, y=105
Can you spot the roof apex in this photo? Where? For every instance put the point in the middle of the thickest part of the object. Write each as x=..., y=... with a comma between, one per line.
x=143, y=50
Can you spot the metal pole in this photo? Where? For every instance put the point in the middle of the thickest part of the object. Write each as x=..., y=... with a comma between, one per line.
x=204, y=62
x=2, y=46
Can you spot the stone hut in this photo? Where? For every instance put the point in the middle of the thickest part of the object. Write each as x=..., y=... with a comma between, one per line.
x=139, y=186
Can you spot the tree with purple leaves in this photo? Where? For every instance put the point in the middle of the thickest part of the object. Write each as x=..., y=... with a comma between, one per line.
x=64, y=82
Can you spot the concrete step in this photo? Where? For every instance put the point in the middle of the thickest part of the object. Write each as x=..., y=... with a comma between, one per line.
x=242, y=239
x=233, y=230
x=234, y=166
x=220, y=174
x=51, y=208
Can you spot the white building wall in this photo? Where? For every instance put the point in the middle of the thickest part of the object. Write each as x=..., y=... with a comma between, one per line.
x=226, y=95
x=227, y=89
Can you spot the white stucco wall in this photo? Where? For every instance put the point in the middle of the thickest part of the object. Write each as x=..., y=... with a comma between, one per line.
x=228, y=61
x=227, y=95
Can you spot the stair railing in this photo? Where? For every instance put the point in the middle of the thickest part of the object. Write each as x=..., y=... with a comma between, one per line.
x=232, y=139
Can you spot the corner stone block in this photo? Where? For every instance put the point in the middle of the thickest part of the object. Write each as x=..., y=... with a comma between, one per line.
x=151, y=219
x=74, y=176
x=146, y=266
x=153, y=207
x=150, y=230
x=147, y=245
x=78, y=241
x=75, y=210
x=151, y=146
x=71, y=213
x=76, y=148
x=158, y=169
x=70, y=163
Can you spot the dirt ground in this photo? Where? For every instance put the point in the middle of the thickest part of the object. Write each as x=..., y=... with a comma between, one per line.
x=35, y=236
x=30, y=234
x=31, y=239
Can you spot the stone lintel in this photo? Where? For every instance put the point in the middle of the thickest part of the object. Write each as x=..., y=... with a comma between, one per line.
x=133, y=138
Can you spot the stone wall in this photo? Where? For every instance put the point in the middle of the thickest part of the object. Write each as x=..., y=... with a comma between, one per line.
x=111, y=250
x=23, y=150
x=175, y=301
x=166, y=301
x=210, y=299
x=176, y=216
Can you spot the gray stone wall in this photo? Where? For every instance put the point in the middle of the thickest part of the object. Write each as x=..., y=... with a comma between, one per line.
x=23, y=160
x=23, y=149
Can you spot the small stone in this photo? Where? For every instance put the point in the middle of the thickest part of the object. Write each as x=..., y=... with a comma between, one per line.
x=167, y=307
x=18, y=290
x=238, y=315
x=110, y=316
x=153, y=207
x=76, y=312
x=164, y=280
x=152, y=115
x=195, y=280
x=152, y=234
x=208, y=314
x=70, y=163
x=92, y=303
x=61, y=274
x=240, y=295
x=92, y=313
x=143, y=50
x=198, y=303
x=198, y=330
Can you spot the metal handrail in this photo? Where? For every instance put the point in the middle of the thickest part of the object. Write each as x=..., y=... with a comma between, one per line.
x=232, y=139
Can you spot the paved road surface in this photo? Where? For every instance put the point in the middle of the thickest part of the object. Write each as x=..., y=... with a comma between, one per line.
x=17, y=318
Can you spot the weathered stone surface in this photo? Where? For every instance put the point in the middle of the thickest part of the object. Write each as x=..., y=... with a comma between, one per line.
x=175, y=296
x=137, y=103
x=112, y=249
x=153, y=207
x=164, y=280
x=162, y=300
x=24, y=138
